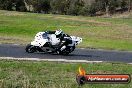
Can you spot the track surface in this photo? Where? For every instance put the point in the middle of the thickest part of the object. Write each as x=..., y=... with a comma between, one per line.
x=17, y=51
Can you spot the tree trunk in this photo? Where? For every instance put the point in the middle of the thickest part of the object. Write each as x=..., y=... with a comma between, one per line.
x=26, y=5
x=129, y=5
x=107, y=11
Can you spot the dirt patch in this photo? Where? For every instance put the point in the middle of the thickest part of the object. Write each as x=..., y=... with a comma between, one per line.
x=123, y=15
x=84, y=20
x=12, y=40
x=14, y=14
x=7, y=38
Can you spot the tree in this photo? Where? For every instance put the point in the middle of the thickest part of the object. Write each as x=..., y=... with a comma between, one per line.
x=45, y=5
x=76, y=8
x=6, y=4
x=123, y=5
x=109, y=6
x=19, y=5
x=129, y=5
x=39, y=6
x=60, y=6
x=28, y=5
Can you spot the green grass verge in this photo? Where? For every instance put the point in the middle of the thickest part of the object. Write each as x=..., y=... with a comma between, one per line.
x=32, y=74
x=106, y=33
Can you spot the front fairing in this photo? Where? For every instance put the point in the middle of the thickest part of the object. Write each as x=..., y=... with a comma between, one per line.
x=77, y=40
x=40, y=39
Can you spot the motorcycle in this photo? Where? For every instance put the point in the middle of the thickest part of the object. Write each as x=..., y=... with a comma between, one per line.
x=49, y=43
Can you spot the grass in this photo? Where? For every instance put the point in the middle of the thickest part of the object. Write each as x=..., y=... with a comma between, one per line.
x=32, y=74
x=105, y=33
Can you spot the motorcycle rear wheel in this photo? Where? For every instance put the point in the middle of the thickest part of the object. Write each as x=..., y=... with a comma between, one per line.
x=64, y=53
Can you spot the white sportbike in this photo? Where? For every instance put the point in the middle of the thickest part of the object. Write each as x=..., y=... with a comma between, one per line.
x=48, y=42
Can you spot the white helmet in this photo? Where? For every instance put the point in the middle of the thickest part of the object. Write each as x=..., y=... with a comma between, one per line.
x=58, y=32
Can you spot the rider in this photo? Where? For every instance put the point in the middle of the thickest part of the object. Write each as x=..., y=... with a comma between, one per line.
x=62, y=36
x=59, y=34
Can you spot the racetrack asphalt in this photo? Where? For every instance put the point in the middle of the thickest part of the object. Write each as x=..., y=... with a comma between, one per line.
x=18, y=51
